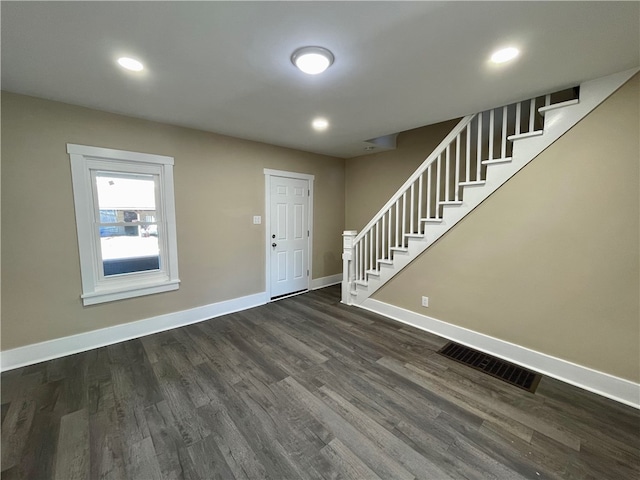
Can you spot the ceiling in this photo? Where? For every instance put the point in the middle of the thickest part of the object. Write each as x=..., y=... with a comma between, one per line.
x=225, y=66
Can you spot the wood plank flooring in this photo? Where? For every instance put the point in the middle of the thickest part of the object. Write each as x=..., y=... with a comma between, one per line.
x=302, y=388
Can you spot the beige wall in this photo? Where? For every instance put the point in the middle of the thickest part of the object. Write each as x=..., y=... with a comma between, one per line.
x=371, y=180
x=219, y=185
x=550, y=261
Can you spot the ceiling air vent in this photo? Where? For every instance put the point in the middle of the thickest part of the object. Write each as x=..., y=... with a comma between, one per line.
x=508, y=372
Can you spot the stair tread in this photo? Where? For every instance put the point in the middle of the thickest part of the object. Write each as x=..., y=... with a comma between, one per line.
x=414, y=235
x=384, y=261
x=373, y=272
x=519, y=136
x=400, y=249
x=451, y=202
x=496, y=160
x=362, y=283
x=431, y=220
x=567, y=103
x=471, y=183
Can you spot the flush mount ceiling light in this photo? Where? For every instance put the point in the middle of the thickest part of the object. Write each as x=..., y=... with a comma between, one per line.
x=504, y=55
x=320, y=124
x=130, y=64
x=312, y=60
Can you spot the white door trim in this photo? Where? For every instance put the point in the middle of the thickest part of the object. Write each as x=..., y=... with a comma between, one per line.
x=268, y=173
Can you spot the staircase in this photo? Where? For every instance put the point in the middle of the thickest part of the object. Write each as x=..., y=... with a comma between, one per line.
x=480, y=154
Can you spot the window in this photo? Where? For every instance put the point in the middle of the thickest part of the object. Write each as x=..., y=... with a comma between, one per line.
x=125, y=217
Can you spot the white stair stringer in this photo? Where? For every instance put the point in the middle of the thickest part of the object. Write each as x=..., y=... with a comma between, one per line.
x=557, y=121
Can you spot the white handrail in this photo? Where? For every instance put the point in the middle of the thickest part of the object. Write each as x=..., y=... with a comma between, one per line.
x=419, y=171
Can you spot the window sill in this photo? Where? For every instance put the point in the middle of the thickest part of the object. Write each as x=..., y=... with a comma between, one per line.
x=111, y=295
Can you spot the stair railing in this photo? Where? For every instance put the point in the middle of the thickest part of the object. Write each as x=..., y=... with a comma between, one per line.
x=460, y=160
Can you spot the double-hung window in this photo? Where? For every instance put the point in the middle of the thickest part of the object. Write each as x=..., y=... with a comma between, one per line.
x=125, y=217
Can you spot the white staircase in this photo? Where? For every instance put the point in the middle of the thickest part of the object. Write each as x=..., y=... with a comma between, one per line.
x=480, y=154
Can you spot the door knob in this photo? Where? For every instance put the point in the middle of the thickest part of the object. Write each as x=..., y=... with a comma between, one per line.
x=274, y=245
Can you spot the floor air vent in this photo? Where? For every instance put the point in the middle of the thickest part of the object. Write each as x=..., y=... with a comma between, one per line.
x=495, y=367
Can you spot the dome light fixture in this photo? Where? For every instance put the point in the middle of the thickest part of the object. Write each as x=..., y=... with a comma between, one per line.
x=312, y=60
x=504, y=55
x=319, y=124
x=130, y=64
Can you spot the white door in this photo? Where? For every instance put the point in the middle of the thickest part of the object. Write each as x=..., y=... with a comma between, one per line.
x=289, y=237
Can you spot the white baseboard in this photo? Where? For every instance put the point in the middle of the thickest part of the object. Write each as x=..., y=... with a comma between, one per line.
x=317, y=283
x=60, y=347
x=615, y=388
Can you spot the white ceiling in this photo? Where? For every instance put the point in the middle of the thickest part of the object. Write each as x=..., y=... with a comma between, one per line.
x=225, y=66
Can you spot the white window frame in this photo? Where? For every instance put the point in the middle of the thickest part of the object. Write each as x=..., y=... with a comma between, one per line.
x=96, y=287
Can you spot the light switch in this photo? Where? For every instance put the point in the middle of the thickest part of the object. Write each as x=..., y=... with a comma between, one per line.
x=257, y=219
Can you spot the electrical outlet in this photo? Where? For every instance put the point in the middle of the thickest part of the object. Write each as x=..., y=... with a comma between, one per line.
x=425, y=301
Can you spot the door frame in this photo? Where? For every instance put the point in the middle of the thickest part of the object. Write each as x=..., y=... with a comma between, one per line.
x=268, y=173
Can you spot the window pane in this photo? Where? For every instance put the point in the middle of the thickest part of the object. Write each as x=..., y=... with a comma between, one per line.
x=126, y=199
x=124, y=253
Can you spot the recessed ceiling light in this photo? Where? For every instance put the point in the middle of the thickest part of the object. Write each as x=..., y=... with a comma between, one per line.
x=130, y=64
x=504, y=55
x=320, y=124
x=312, y=60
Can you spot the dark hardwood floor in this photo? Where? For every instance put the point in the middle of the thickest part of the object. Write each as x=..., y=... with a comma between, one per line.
x=300, y=388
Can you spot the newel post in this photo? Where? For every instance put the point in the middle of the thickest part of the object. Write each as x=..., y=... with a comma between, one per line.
x=348, y=274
